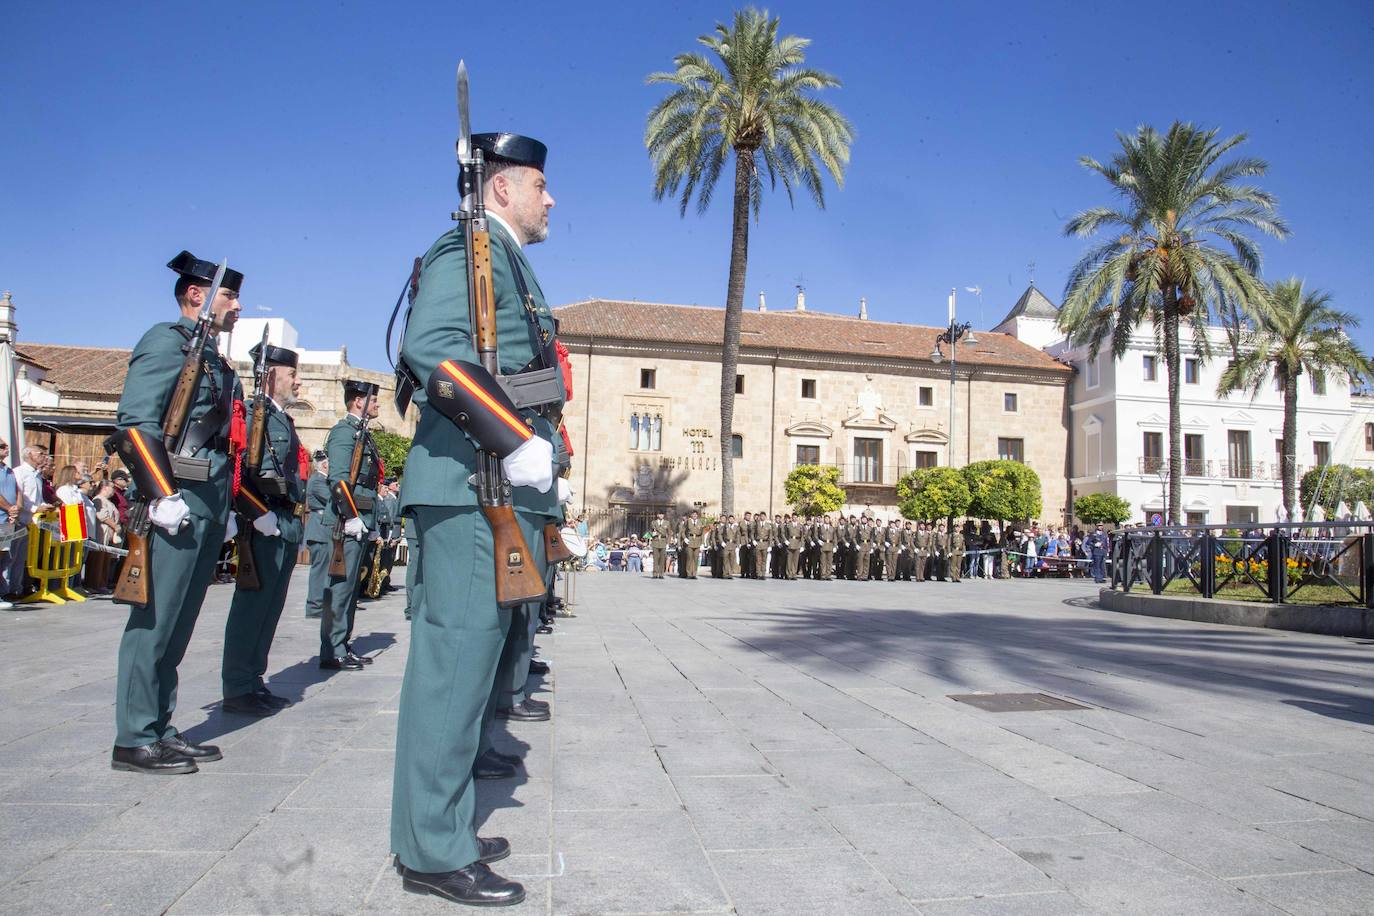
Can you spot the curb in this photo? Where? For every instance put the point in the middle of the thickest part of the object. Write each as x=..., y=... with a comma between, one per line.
x=1328, y=620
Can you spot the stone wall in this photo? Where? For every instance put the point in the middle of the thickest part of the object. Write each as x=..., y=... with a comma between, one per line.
x=853, y=400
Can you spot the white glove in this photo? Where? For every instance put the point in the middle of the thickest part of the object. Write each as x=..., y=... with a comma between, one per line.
x=231, y=528
x=565, y=491
x=355, y=528
x=266, y=525
x=530, y=465
x=168, y=512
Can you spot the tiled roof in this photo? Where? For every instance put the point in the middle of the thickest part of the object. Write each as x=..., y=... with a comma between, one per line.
x=1032, y=304
x=80, y=370
x=810, y=332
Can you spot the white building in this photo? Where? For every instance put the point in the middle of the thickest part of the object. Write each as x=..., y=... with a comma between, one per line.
x=1232, y=445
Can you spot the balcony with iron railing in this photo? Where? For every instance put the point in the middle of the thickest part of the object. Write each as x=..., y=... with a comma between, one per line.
x=862, y=473
x=1224, y=469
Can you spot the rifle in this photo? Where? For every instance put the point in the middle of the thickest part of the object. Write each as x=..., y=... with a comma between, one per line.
x=517, y=581
x=131, y=584
x=246, y=574
x=337, y=567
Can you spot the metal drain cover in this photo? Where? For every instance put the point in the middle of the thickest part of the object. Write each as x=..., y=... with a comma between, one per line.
x=1014, y=702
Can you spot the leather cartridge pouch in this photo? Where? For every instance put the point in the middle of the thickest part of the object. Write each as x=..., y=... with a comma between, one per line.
x=534, y=388
x=362, y=502
x=191, y=470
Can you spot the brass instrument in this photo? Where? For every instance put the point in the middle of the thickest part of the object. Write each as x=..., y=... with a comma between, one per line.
x=373, y=587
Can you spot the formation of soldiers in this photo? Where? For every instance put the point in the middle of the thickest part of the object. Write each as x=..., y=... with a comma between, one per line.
x=808, y=547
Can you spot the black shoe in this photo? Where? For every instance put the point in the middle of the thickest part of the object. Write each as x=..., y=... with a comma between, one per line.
x=365, y=659
x=536, y=705
x=155, y=758
x=538, y=667
x=491, y=849
x=489, y=766
x=512, y=759
x=360, y=659
x=347, y=663
x=249, y=704
x=524, y=713
x=272, y=699
x=544, y=628
x=202, y=753
x=476, y=885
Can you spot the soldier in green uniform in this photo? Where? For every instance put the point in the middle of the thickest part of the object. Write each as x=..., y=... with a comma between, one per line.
x=188, y=505
x=939, y=552
x=319, y=533
x=267, y=499
x=730, y=547
x=659, y=535
x=908, y=550
x=459, y=630
x=352, y=505
x=863, y=545
x=746, y=545
x=842, y=547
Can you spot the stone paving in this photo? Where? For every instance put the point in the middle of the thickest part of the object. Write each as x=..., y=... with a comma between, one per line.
x=734, y=747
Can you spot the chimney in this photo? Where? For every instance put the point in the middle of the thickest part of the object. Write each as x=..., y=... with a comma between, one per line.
x=801, y=298
x=863, y=309
x=7, y=326
x=763, y=306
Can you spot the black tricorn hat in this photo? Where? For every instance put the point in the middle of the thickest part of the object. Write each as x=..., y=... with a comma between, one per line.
x=276, y=356
x=192, y=267
x=357, y=389
x=512, y=148
x=319, y=455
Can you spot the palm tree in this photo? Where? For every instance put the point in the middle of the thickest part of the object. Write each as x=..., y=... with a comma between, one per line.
x=1163, y=261
x=758, y=108
x=1296, y=332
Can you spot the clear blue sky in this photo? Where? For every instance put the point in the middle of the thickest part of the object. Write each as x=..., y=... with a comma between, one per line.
x=312, y=144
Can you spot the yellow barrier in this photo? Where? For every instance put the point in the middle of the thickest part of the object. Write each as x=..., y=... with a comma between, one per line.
x=52, y=561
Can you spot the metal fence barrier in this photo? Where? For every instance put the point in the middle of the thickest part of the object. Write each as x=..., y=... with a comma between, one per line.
x=1278, y=562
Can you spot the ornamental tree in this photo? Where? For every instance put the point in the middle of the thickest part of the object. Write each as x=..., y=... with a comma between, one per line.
x=933, y=493
x=1104, y=508
x=1003, y=490
x=814, y=489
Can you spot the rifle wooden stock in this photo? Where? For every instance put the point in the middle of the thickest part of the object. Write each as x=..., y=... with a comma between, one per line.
x=246, y=576
x=131, y=585
x=258, y=432
x=555, y=551
x=183, y=396
x=517, y=581
x=337, y=568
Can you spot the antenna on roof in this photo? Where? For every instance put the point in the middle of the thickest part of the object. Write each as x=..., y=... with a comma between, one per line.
x=1030, y=270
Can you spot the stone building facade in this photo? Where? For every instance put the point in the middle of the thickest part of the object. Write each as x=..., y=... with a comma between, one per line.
x=812, y=388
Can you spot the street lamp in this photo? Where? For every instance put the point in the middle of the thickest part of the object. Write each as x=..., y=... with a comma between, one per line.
x=951, y=336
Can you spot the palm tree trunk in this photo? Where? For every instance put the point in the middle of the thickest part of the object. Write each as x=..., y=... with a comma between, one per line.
x=1290, y=443
x=734, y=306
x=1171, y=366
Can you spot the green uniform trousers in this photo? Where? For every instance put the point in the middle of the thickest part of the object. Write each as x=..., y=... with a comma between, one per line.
x=456, y=639
x=513, y=670
x=336, y=626
x=253, y=617
x=155, y=638
x=317, y=592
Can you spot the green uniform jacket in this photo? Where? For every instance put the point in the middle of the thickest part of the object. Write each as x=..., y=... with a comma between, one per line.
x=281, y=462
x=339, y=445
x=319, y=527
x=443, y=457
x=153, y=370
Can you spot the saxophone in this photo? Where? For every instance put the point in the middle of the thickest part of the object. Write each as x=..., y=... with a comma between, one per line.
x=373, y=588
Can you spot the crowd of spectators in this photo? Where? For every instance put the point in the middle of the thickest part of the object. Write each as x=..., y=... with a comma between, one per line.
x=37, y=485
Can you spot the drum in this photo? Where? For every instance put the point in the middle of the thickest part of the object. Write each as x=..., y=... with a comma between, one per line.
x=574, y=542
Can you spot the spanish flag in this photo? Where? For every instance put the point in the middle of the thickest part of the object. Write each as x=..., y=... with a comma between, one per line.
x=73, y=523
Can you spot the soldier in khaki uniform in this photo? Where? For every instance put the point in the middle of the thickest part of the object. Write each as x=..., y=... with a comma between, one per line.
x=907, y=549
x=826, y=535
x=659, y=535
x=956, y=554
x=763, y=545
x=892, y=550
x=746, y=546
x=939, y=553
x=793, y=534
x=729, y=548
x=922, y=552
x=691, y=538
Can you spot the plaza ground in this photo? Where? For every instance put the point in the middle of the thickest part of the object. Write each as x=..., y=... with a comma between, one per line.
x=733, y=747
